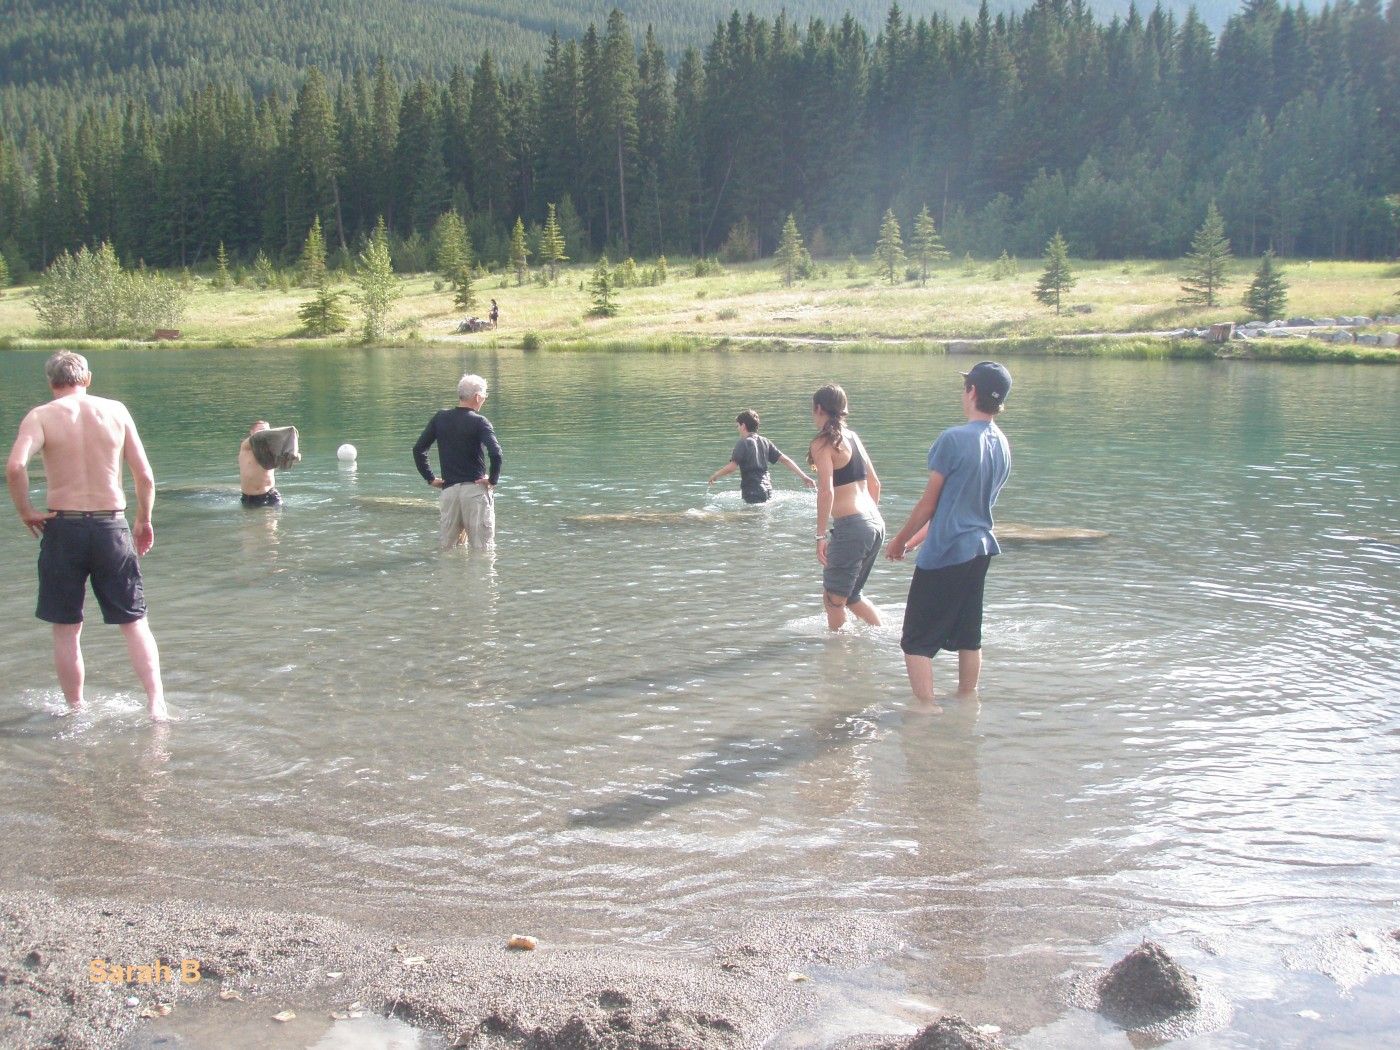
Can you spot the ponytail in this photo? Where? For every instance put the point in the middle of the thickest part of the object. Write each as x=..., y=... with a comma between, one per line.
x=831, y=399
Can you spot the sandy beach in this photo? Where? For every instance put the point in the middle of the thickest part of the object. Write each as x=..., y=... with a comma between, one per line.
x=472, y=992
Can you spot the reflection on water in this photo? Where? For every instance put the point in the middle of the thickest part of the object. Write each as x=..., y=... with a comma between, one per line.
x=638, y=728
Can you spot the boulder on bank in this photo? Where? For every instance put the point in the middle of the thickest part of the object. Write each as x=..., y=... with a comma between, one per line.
x=1145, y=987
x=952, y=1033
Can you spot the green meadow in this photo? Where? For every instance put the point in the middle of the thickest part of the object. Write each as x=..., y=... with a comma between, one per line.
x=1116, y=308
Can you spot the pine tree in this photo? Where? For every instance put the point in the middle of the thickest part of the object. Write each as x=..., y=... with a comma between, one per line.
x=452, y=249
x=519, y=251
x=601, y=285
x=378, y=285
x=1268, y=292
x=313, y=257
x=384, y=137
x=4, y=273
x=552, y=247
x=661, y=270
x=263, y=271
x=490, y=146
x=889, y=249
x=928, y=248
x=314, y=158
x=790, y=251
x=221, y=280
x=323, y=315
x=422, y=173
x=1057, y=279
x=1206, y=262
x=616, y=108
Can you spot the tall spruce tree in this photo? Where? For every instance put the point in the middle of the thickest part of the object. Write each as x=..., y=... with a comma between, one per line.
x=491, y=159
x=384, y=139
x=1057, y=278
x=790, y=251
x=1268, y=292
x=422, y=172
x=4, y=273
x=560, y=103
x=653, y=136
x=889, y=249
x=616, y=109
x=314, y=159
x=928, y=248
x=1207, y=261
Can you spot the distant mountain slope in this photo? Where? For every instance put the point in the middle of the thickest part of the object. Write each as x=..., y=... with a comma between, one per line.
x=83, y=47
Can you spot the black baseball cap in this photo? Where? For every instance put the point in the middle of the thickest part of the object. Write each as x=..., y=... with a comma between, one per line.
x=990, y=380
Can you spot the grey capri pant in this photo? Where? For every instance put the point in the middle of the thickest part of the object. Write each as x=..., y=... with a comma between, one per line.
x=851, y=553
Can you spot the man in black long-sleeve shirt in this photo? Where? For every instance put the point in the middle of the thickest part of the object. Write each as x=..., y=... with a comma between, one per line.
x=467, y=504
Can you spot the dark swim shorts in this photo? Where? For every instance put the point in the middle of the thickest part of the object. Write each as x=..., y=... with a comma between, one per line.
x=99, y=546
x=944, y=610
x=270, y=498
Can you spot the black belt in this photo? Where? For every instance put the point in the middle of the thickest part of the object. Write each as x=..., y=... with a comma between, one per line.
x=87, y=513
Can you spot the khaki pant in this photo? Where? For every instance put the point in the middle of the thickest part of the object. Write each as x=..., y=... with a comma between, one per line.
x=469, y=508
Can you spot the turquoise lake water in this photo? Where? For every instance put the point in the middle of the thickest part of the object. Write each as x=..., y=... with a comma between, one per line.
x=640, y=731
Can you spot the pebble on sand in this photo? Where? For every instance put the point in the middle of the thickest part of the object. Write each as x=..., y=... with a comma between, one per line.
x=522, y=943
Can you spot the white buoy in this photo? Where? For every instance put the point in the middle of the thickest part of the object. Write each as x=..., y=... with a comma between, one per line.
x=346, y=453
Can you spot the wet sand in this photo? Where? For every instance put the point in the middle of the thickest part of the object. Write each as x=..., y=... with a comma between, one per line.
x=472, y=991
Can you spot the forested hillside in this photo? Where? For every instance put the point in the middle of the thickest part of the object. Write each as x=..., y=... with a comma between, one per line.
x=58, y=53
x=1008, y=128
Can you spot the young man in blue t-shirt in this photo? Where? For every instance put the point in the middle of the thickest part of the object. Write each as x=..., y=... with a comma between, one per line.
x=952, y=527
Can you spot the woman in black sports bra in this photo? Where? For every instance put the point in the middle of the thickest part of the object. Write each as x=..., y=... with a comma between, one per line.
x=848, y=494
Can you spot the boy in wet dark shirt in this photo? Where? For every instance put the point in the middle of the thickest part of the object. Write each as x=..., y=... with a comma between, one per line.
x=751, y=457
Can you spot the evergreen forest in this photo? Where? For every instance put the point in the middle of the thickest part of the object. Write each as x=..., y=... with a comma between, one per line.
x=1008, y=127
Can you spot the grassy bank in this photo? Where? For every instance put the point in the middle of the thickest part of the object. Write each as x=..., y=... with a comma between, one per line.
x=746, y=308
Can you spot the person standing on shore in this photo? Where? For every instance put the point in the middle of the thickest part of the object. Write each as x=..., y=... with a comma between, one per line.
x=495, y=314
x=848, y=494
x=467, y=503
x=83, y=441
x=952, y=527
x=751, y=457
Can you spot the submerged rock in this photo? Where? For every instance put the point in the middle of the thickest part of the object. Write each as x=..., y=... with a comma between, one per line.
x=952, y=1033
x=1146, y=986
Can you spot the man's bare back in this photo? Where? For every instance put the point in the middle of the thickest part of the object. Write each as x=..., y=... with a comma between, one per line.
x=83, y=438
x=253, y=477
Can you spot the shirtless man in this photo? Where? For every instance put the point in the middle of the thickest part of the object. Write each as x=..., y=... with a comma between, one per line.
x=83, y=441
x=256, y=480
